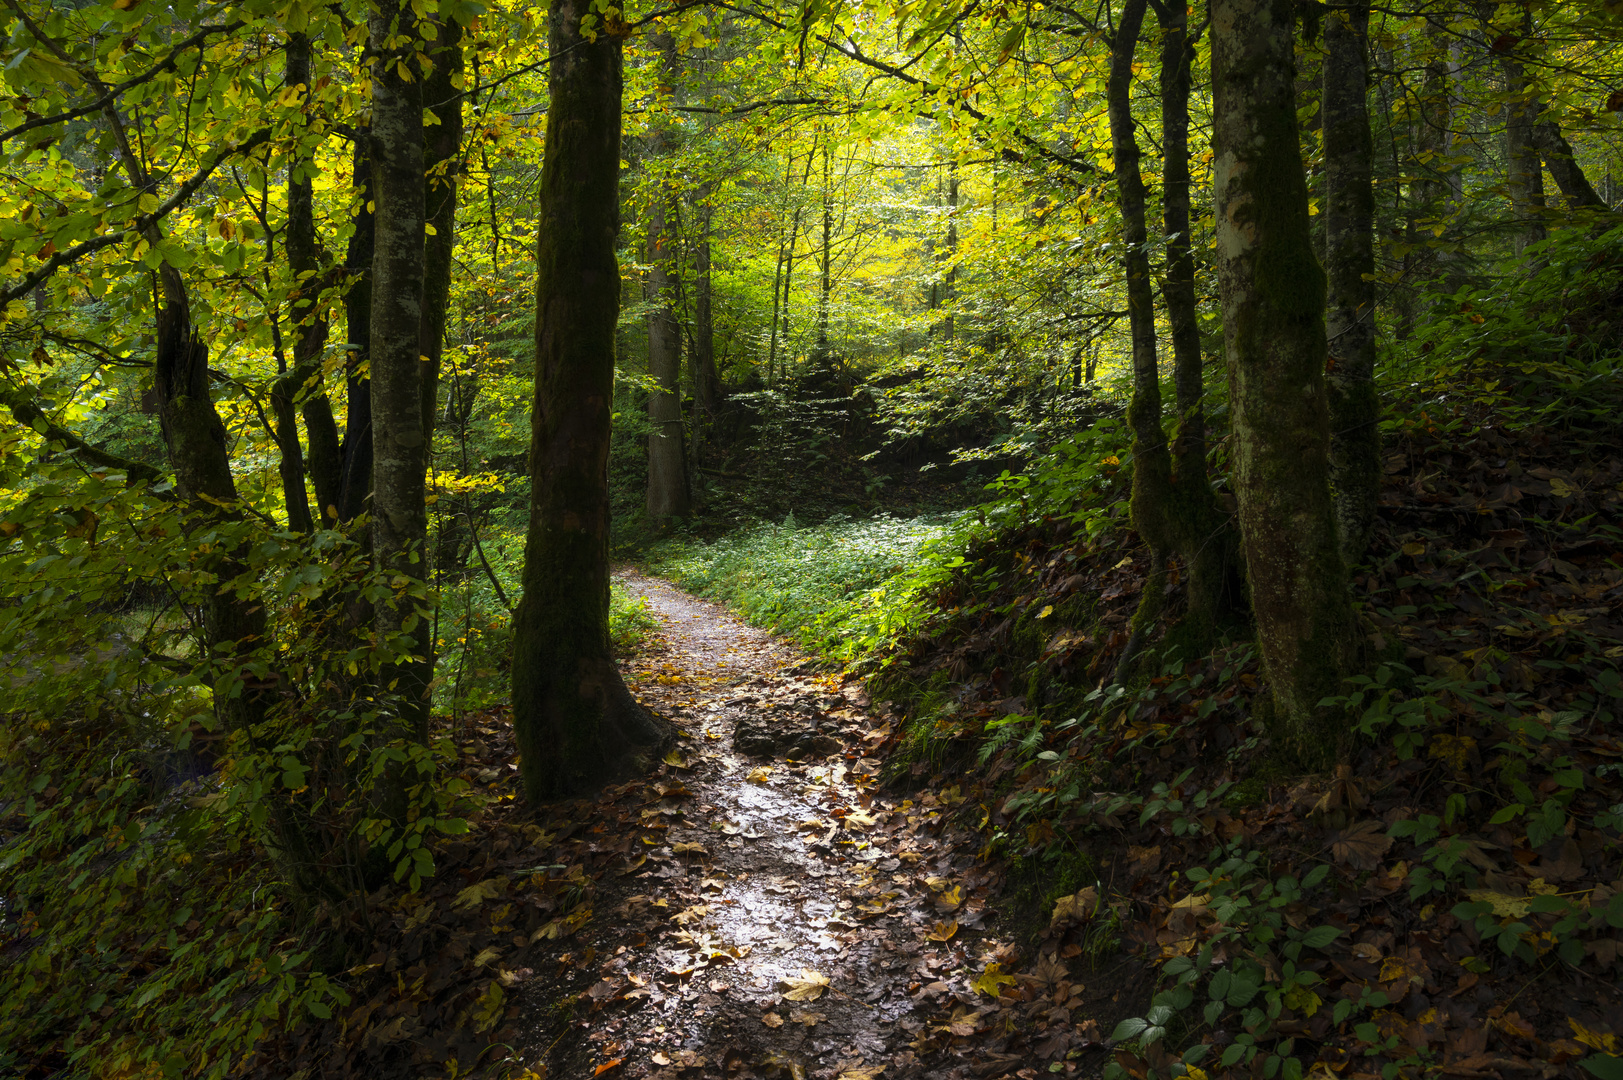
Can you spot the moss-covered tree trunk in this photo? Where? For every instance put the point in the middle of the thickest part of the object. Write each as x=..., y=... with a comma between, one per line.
x=1272, y=290
x=1524, y=178
x=573, y=718
x=399, y=443
x=1355, y=440
x=1152, y=460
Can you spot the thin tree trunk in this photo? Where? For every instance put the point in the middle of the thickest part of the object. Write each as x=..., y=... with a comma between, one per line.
x=1204, y=540
x=667, y=467
x=304, y=383
x=355, y=479
x=1152, y=461
x=706, y=384
x=399, y=444
x=1272, y=292
x=823, y=357
x=1355, y=438
x=442, y=160
x=573, y=718
x=949, y=281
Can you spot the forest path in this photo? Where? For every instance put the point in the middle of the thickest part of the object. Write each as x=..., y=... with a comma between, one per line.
x=780, y=914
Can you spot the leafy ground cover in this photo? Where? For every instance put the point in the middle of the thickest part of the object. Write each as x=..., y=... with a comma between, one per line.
x=832, y=586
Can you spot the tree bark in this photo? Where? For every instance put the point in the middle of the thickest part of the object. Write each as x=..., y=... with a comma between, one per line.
x=1204, y=540
x=304, y=384
x=442, y=160
x=821, y=360
x=1557, y=153
x=399, y=443
x=1355, y=438
x=1273, y=295
x=1152, y=461
x=1524, y=180
x=706, y=383
x=573, y=718
x=667, y=464
x=949, y=281
x=355, y=477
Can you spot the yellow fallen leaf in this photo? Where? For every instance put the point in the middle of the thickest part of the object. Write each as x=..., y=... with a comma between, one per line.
x=809, y=987
x=674, y=759
x=688, y=849
x=760, y=774
x=943, y=931
x=992, y=980
x=950, y=900
x=772, y=1020
x=1606, y=1043
x=478, y=893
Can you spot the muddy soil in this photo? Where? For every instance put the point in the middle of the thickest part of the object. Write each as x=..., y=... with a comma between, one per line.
x=780, y=913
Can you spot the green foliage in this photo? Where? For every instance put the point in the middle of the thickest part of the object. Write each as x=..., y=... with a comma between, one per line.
x=841, y=588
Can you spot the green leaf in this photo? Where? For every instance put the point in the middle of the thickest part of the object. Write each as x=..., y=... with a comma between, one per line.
x=1129, y=1028
x=1605, y=1066
x=1320, y=936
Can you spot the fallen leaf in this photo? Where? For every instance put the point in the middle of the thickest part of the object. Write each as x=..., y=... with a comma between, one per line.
x=809, y=987
x=760, y=774
x=992, y=980
x=950, y=900
x=478, y=893
x=1361, y=846
x=607, y=1065
x=1078, y=907
x=772, y=1020
x=689, y=849
x=942, y=931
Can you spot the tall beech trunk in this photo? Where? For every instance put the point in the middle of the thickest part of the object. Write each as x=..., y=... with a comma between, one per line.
x=355, y=474
x=1355, y=438
x=573, y=718
x=949, y=281
x=1273, y=295
x=1524, y=179
x=399, y=443
x=1202, y=536
x=1152, y=460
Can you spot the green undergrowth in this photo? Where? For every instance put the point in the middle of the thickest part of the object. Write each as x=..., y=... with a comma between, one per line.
x=840, y=588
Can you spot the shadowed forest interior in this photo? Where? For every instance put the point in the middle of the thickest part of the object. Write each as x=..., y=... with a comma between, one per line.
x=930, y=539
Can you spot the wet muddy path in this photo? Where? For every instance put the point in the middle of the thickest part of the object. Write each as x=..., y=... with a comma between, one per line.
x=778, y=914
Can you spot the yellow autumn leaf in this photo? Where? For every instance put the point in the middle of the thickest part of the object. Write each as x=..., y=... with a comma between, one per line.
x=675, y=760
x=760, y=774
x=992, y=980
x=809, y=987
x=943, y=931
x=1606, y=1043
x=478, y=893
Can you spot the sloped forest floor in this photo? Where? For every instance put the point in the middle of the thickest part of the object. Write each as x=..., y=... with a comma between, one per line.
x=758, y=906
x=1001, y=867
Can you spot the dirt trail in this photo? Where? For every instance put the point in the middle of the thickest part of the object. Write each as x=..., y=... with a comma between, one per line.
x=778, y=916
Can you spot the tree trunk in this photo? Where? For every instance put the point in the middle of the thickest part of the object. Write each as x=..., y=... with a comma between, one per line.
x=1273, y=295
x=1524, y=180
x=825, y=284
x=1152, y=461
x=706, y=384
x=1557, y=153
x=667, y=466
x=442, y=160
x=304, y=383
x=949, y=281
x=1204, y=540
x=1355, y=438
x=573, y=718
x=399, y=444
x=355, y=479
